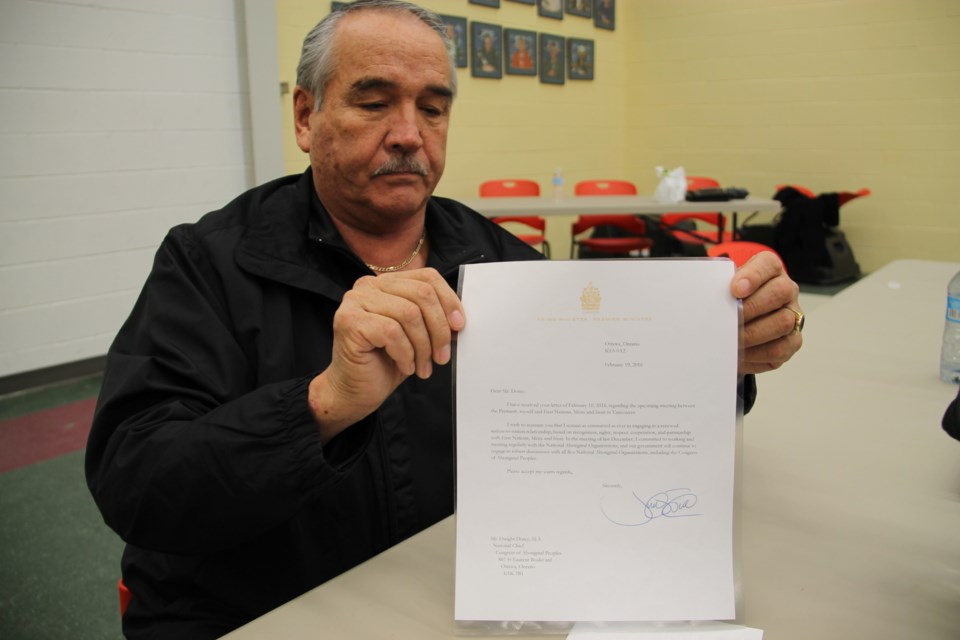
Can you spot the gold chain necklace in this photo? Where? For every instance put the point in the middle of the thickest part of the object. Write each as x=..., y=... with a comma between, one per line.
x=410, y=258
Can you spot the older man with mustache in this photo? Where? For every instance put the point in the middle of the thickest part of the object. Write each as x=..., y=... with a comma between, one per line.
x=277, y=407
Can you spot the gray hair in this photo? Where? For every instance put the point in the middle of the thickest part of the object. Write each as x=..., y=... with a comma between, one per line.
x=317, y=64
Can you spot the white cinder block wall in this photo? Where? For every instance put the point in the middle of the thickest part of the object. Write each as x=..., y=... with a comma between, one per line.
x=118, y=120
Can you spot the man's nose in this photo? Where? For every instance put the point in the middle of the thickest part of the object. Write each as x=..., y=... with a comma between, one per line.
x=404, y=134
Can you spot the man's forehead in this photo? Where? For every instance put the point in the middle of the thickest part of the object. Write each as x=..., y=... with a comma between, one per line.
x=387, y=38
x=373, y=83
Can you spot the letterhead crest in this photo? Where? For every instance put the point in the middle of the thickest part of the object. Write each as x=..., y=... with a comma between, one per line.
x=590, y=299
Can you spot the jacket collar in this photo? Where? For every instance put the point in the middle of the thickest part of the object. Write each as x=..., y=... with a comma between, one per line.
x=291, y=239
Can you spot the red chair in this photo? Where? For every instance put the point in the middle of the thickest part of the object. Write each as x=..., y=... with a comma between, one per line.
x=613, y=234
x=125, y=596
x=605, y=188
x=843, y=196
x=692, y=237
x=739, y=251
x=519, y=188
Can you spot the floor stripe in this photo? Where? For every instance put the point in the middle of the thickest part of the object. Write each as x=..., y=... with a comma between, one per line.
x=42, y=435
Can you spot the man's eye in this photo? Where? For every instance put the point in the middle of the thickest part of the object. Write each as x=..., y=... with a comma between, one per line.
x=372, y=106
x=434, y=109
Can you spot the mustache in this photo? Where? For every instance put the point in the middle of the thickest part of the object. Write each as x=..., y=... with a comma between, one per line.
x=401, y=164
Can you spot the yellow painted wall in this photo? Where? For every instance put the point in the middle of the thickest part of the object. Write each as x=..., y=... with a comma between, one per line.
x=834, y=95
x=831, y=95
x=514, y=127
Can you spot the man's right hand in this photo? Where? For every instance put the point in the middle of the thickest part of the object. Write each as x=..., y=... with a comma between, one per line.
x=388, y=327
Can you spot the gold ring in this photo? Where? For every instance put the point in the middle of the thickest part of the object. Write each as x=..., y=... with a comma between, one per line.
x=798, y=322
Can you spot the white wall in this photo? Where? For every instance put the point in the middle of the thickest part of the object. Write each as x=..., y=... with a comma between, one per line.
x=118, y=120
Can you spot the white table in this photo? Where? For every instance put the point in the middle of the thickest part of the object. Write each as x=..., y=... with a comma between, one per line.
x=850, y=503
x=593, y=205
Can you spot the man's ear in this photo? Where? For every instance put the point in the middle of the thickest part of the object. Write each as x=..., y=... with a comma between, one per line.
x=302, y=109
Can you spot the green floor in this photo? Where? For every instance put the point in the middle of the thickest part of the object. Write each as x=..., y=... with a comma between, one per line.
x=59, y=563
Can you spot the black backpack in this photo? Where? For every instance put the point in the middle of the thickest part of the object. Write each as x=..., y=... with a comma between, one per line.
x=806, y=237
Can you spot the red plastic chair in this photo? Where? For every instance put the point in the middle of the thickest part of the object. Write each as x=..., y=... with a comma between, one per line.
x=519, y=188
x=669, y=221
x=634, y=243
x=605, y=188
x=125, y=596
x=843, y=196
x=739, y=251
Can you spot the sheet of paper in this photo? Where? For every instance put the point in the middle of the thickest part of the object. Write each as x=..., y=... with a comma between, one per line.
x=596, y=429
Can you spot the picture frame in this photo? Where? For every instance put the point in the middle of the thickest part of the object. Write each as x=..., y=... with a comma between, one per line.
x=526, y=1
x=457, y=33
x=580, y=59
x=520, y=52
x=487, y=3
x=582, y=8
x=550, y=9
x=486, y=50
x=552, y=57
x=605, y=14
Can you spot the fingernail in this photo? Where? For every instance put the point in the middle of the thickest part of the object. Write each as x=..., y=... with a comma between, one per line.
x=456, y=320
x=741, y=287
x=444, y=356
x=427, y=370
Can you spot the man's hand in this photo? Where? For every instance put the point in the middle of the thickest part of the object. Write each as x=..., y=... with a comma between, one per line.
x=770, y=310
x=388, y=327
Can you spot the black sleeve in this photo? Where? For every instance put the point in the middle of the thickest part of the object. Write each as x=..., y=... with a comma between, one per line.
x=186, y=454
x=747, y=390
x=951, y=419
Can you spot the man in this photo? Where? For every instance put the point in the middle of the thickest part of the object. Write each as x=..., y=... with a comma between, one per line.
x=277, y=408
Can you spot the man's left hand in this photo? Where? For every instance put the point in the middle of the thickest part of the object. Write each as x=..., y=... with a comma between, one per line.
x=770, y=308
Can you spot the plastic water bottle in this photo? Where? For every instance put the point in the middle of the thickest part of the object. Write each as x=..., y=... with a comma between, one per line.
x=950, y=353
x=557, y=182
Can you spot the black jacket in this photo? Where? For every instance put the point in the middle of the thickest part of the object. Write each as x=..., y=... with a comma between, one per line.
x=203, y=455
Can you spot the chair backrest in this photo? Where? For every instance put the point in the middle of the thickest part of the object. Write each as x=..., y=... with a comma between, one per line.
x=509, y=188
x=701, y=182
x=605, y=188
x=534, y=222
x=125, y=596
x=739, y=251
x=628, y=223
x=843, y=196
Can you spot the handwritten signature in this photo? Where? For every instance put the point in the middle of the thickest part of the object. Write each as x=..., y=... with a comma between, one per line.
x=672, y=503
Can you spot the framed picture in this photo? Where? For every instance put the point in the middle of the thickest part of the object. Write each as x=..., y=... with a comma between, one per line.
x=520, y=51
x=486, y=3
x=605, y=14
x=551, y=58
x=486, y=47
x=457, y=33
x=583, y=8
x=550, y=9
x=579, y=59
x=526, y=1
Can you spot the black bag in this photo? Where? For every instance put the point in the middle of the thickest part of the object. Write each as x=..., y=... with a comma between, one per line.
x=813, y=249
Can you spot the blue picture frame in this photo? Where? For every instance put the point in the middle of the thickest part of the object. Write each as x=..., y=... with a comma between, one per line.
x=457, y=33
x=580, y=59
x=520, y=52
x=486, y=50
x=552, y=57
